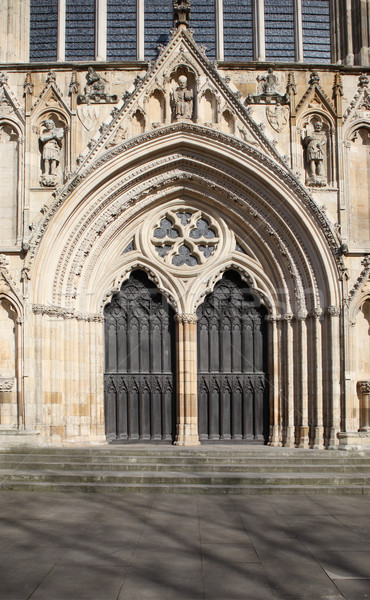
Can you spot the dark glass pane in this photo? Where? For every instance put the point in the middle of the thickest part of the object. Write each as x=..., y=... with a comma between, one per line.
x=158, y=25
x=80, y=30
x=43, y=30
x=316, y=31
x=279, y=30
x=121, y=29
x=238, y=30
x=203, y=22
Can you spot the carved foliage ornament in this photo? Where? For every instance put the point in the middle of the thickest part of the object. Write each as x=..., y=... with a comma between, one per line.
x=6, y=384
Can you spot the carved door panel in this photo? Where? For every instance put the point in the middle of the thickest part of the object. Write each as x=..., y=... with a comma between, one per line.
x=139, y=381
x=232, y=378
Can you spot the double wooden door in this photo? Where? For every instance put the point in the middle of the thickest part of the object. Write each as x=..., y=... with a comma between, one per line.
x=140, y=364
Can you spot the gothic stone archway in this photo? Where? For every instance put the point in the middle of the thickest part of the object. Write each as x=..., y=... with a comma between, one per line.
x=139, y=381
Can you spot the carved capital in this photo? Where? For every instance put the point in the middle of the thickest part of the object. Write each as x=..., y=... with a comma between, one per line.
x=288, y=317
x=272, y=318
x=364, y=387
x=333, y=311
x=186, y=318
x=301, y=315
x=315, y=313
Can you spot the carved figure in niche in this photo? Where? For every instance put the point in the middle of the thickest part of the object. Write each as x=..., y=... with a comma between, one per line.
x=51, y=143
x=182, y=100
x=315, y=143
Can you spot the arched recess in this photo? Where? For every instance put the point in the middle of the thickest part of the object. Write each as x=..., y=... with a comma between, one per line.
x=268, y=228
x=358, y=352
x=10, y=183
x=11, y=363
x=357, y=154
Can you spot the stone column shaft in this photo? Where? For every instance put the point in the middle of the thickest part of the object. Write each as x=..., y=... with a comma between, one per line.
x=187, y=406
x=275, y=421
x=303, y=383
x=289, y=383
x=364, y=389
x=333, y=313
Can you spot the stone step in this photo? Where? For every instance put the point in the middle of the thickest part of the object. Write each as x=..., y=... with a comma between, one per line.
x=300, y=489
x=294, y=458
x=208, y=469
x=173, y=479
x=221, y=451
x=237, y=467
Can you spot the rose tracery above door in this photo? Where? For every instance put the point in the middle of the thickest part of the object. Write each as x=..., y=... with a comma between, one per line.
x=185, y=237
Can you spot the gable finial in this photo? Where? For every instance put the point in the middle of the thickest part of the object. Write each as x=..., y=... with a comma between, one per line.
x=181, y=13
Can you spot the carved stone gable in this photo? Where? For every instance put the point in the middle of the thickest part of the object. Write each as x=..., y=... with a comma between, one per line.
x=182, y=85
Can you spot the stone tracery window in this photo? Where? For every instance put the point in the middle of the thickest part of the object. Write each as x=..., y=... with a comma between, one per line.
x=133, y=29
x=185, y=237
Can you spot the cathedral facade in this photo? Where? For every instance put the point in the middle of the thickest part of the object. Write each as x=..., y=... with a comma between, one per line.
x=185, y=222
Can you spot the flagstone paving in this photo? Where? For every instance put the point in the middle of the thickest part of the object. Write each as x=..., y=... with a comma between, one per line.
x=62, y=546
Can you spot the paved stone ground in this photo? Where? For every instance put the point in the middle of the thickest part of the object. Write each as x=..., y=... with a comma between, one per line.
x=58, y=546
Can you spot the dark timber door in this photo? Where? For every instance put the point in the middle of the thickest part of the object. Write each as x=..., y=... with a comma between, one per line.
x=139, y=382
x=232, y=388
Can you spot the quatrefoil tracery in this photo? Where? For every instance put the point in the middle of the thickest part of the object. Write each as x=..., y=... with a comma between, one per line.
x=185, y=238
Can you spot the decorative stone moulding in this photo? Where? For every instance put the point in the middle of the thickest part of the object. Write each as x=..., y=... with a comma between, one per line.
x=7, y=384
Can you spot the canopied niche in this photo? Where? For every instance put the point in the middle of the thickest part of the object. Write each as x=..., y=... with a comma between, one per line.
x=52, y=142
x=156, y=106
x=227, y=122
x=360, y=185
x=137, y=123
x=8, y=362
x=208, y=107
x=9, y=175
x=317, y=150
x=182, y=95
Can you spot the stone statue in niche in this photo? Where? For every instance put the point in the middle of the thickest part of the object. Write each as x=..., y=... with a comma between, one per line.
x=51, y=145
x=268, y=90
x=315, y=144
x=269, y=82
x=95, y=91
x=182, y=100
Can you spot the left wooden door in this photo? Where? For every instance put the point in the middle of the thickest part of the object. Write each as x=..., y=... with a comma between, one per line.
x=139, y=378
